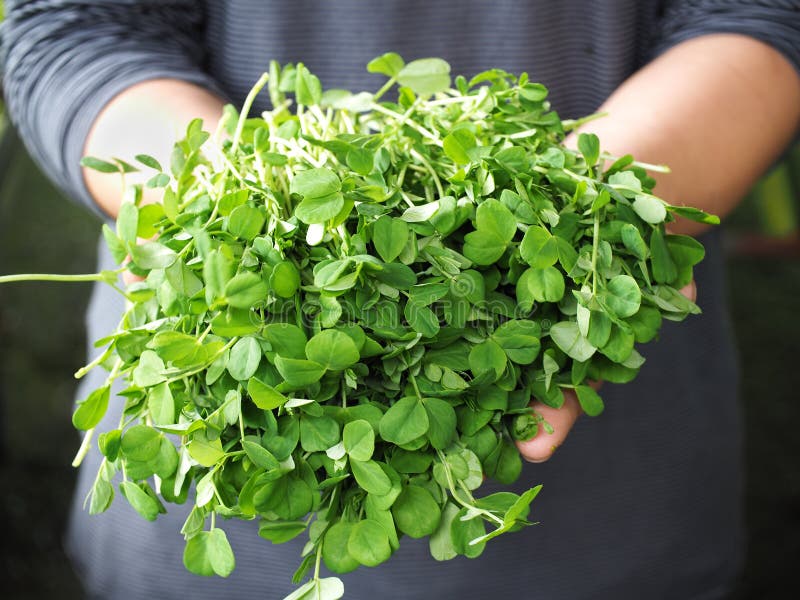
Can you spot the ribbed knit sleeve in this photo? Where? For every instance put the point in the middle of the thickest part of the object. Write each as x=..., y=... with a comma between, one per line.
x=64, y=60
x=775, y=22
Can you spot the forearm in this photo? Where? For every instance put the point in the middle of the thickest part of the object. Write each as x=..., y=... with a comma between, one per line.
x=717, y=109
x=146, y=118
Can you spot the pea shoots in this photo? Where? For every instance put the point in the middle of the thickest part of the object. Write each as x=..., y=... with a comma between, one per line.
x=349, y=303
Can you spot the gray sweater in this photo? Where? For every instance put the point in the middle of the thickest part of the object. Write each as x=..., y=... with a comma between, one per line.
x=643, y=502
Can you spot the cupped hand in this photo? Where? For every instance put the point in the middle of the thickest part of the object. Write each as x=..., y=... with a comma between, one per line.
x=542, y=446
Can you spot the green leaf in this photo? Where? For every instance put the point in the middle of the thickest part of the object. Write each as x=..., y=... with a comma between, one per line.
x=519, y=339
x=140, y=443
x=109, y=443
x=540, y=285
x=483, y=248
x=457, y=145
x=286, y=339
x=568, y=338
x=244, y=358
x=369, y=543
x=421, y=318
x=664, y=269
x=298, y=372
x=150, y=370
x=260, y=456
x=334, y=548
x=513, y=159
x=320, y=208
x=328, y=588
x=694, y=214
x=285, y=280
x=152, y=255
x=425, y=76
x=633, y=241
x=623, y=296
x=601, y=200
x=218, y=269
x=308, y=90
x=650, y=209
x=389, y=236
x=441, y=422
x=149, y=161
x=645, y=324
x=245, y=290
x=627, y=182
x=441, y=542
x=538, y=248
x=99, y=165
x=207, y=452
x=359, y=440
x=209, y=553
x=590, y=401
x=317, y=434
x=389, y=64
x=102, y=494
x=115, y=246
x=599, y=328
x=493, y=217
x=488, y=356
x=232, y=200
x=149, y=216
x=619, y=345
x=589, y=145
x=463, y=531
x=91, y=410
x=371, y=477
x=315, y=183
x=405, y=421
x=280, y=532
x=415, y=512
x=332, y=349
x=360, y=160
x=264, y=396
x=685, y=251
x=161, y=405
x=142, y=502
x=128, y=222
x=245, y=222
x=521, y=508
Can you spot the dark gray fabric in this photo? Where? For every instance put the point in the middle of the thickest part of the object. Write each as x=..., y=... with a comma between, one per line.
x=642, y=502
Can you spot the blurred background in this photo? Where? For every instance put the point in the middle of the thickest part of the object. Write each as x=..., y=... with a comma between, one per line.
x=42, y=343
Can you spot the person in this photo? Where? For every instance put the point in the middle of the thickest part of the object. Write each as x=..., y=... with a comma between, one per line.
x=643, y=502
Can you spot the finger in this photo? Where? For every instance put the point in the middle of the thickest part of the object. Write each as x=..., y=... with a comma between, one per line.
x=543, y=444
x=690, y=291
x=128, y=277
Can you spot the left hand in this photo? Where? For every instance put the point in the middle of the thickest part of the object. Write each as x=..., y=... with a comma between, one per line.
x=542, y=446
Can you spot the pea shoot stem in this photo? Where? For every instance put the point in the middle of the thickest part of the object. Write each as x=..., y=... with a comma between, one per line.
x=386, y=87
x=452, y=487
x=415, y=126
x=86, y=443
x=318, y=559
x=570, y=124
x=248, y=103
x=595, y=244
x=104, y=276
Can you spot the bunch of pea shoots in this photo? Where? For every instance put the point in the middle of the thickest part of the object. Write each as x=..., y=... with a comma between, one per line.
x=348, y=304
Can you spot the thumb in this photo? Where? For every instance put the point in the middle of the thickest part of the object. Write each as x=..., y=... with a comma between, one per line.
x=539, y=448
x=690, y=290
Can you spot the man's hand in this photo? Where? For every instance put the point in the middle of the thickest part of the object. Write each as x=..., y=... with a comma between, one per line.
x=541, y=447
